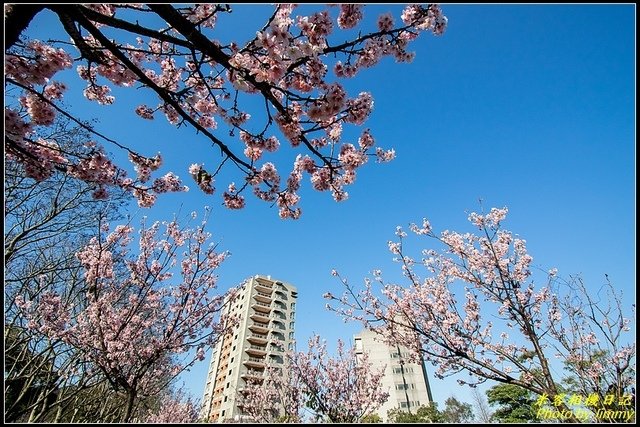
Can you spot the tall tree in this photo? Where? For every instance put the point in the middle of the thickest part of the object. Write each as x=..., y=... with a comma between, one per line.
x=514, y=404
x=137, y=318
x=276, y=397
x=343, y=388
x=46, y=223
x=340, y=389
x=456, y=412
x=501, y=307
x=482, y=411
x=207, y=83
x=424, y=414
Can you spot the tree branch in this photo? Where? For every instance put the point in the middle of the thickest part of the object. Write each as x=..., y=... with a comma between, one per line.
x=16, y=20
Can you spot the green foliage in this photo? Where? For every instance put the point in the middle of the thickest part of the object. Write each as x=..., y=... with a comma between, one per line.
x=424, y=414
x=453, y=412
x=371, y=419
x=514, y=403
x=456, y=412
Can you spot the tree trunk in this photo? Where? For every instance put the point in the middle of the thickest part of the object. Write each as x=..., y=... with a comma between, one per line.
x=17, y=20
x=131, y=399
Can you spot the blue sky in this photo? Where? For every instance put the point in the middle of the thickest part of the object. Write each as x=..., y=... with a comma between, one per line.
x=530, y=107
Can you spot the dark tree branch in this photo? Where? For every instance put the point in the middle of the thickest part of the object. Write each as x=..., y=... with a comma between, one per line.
x=132, y=28
x=202, y=43
x=142, y=77
x=17, y=20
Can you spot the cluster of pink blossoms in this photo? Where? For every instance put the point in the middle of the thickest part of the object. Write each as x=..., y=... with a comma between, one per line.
x=350, y=15
x=173, y=411
x=459, y=334
x=199, y=79
x=35, y=66
x=131, y=321
x=257, y=145
x=39, y=63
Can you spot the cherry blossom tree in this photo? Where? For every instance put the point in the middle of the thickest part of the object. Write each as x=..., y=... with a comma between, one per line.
x=277, y=397
x=343, y=388
x=477, y=310
x=136, y=318
x=174, y=408
x=208, y=84
x=46, y=223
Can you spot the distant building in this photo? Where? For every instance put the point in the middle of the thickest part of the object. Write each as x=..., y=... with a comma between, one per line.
x=407, y=383
x=266, y=308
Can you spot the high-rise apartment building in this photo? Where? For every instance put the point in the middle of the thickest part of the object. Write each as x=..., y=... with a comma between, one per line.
x=266, y=308
x=407, y=383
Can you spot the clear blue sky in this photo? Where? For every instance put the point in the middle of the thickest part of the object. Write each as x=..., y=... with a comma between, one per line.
x=530, y=107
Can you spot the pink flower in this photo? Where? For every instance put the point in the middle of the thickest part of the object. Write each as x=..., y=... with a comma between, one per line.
x=350, y=15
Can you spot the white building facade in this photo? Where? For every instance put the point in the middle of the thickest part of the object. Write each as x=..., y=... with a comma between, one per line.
x=407, y=383
x=266, y=308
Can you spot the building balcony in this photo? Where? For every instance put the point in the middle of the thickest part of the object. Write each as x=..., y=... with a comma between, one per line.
x=257, y=338
x=262, y=297
x=282, y=295
x=276, y=324
x=266, y=287
x=254, y=362
x=256, y=350
x=260, y=317
x=279, y=306
x=275, y=359
x=275, y=349
x=278, y=315
x=252, y=374
x=277, y=335
x=261, y=328
x=261, y=307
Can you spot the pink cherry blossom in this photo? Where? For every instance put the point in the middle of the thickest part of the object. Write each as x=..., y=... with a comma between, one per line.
x=466, y=305
x=196, y=79
x=144, y=313
x=344, y=388
x=350, y=15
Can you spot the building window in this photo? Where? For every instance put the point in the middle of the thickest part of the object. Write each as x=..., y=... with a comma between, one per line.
x=399, y=370
x=225, y=398
x=231, y=360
